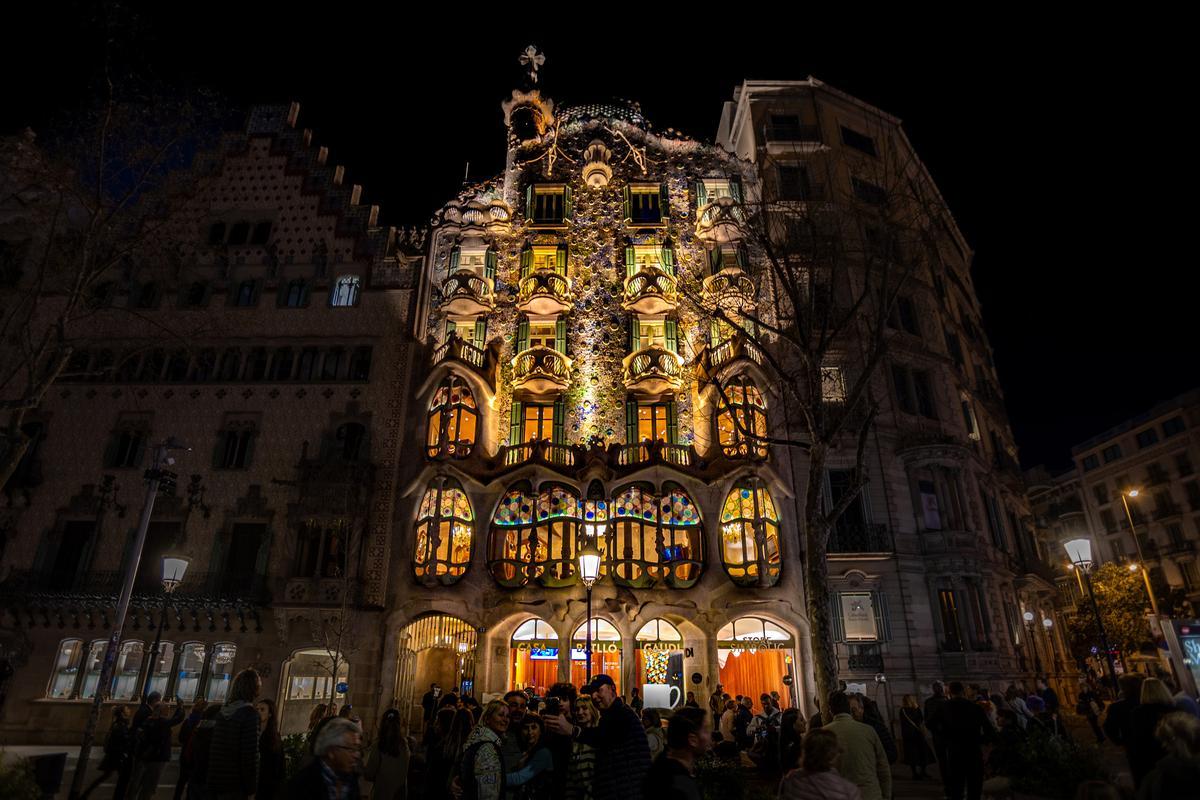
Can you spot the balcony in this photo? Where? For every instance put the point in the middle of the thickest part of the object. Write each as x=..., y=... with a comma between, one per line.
x=1167, y=510
x=860, y=539
x=865, y=658
x=458, y=349
x=731, y=290
x=714, y=359
x=658, y=452
x=1180, y=548
x=650, y=290
x=544, y=293
x=792, y=138
x=720, y=221
x=543, y=452
x=653, y=371
x=465, y=293
x=541, y=372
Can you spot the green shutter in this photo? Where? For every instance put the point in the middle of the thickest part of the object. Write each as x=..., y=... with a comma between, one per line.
x=455, y=256
x=568, y=206
x=514, y=423
x=735, y=189
x=560, y=335
x=664, y=201
x=480, y=332
x=560, y=259
x=631, y=421
x=835, y=617
x=714, y=260
x=627, y=195
x=635, y=335
x=489, y=265
x=714, y=333
x=672, y=335
x=630, y=261
x=560, y=414
x=529, y=201
x=672, y=424
x=526, y=260
x=668, y=257
x=451, y=329
x=701, y=192
x=523, y=335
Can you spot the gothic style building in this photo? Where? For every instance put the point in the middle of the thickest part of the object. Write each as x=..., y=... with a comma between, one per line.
x=413, y=436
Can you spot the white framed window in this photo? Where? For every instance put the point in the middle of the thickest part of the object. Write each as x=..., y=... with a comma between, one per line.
x=220, y=672
x=126, y=677
x=66, y=669
x=191, y=664
x=344, y=293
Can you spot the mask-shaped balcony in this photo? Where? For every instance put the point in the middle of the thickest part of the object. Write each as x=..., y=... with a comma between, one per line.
x=653, y=371
x=730, y=289
x=544, y=293
x=737, y=347
x=467, y=294
x=541, y=372
x=719, y=222
x=650, y=290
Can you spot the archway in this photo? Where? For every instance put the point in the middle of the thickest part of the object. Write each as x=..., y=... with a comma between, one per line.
x=757, y=656
x=606, y=652
x=309, y=681
x=435, y=649
x=533, y=656
x=658, y=660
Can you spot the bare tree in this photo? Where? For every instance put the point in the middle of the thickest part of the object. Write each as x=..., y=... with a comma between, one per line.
x=337, y=630
x=829, y=241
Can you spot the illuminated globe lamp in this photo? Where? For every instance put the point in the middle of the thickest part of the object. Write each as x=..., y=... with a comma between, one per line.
x=1080, y=553
x=589, y=573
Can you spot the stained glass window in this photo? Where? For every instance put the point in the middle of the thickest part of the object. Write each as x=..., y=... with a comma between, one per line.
x=535, y=536
x=445, y=530
x=453, y=417
x=744, y=413
x=750, y=535
x=345, y=291
x=655, y=538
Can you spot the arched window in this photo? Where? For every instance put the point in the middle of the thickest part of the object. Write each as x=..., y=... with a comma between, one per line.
x=160, y=668
x=220, y=672
x=655, y=538
x=297, y=294
x=66, y=669
x=750, y=535
x=345, y=291
x=606, y=652
x=745, y=412
x=534, y=537
x=445, y=529
x=452, y=420
x=533, y=655
x=191, y=664
x=126, y=677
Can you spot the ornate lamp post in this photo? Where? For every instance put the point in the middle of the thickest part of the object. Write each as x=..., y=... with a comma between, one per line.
x=173, y=570
x=589, y=572
x=1080, y=553
x=1037, y=661
x=1137, y=543
x=1047, y=624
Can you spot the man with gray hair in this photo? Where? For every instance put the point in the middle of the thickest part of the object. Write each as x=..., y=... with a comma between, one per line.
x=333, y=774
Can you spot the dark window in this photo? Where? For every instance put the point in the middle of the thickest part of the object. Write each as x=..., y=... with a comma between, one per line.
x=794, y=183
x=1111, y=453
x=1108, y=520
x=72, y=544
x=204, y=366
x=548, y=206
x=262, y=232
x=852, y=522
x=331, y=366
x=785, y=121
x=1172, y=426
x=644, y=206
x=196, y=294
x=177, y=367
x=256, y=365
x=102, y=365
x=995, y=522
x=904, y=316
x=869, y=192
x=360, y=364
x=100, y=294
x=1193, y=494
x=923, y=390
x=1090, y=462
x=234, y=449
x=281, y=367
x=307, y=370
x=1100, y=490
x=955, y=348
x=152, y=366
x=247, y=294
x=216, y=233
x=231, y=362
x=146, y=295
x=1175, y=533
x=126, y=449
x=239, y=232
x=77, y=365
x=1156, y=474
x=859, y=141
x=1183, y=463
x=1146, y=438
x=241, y=559
x=904, y=391
x=297, y=294
x=27, y=473
x=349, y=439
x=160, y=539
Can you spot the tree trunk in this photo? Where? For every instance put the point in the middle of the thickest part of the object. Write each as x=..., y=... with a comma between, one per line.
x=816, y=582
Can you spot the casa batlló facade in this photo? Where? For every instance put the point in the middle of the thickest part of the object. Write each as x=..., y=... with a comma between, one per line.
x=414, y=434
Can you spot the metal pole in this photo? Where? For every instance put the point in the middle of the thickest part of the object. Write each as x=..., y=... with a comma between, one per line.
x=154, y=651
x=1141, y=559
x=1112, y=671
x=1037, y=659
x=589, y=633
x=153, y=476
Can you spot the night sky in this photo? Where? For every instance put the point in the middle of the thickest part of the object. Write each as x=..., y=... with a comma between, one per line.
x=1048, y=140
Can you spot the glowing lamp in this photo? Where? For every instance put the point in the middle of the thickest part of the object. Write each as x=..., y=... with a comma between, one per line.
x=1047, y=623
x=173, y=570
x=1080, y=552
x=589, y=564
x=1028, y=616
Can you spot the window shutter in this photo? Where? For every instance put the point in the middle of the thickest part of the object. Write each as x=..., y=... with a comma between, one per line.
x=714, y=260
x=529, y=201
x=526, y=260
x=455, y=256
x=735, y=190
x=664, y=201
x=701, y=192
x=560, y=336
x=635, y=335
x=714, y=333
x=264, y=553
x=631, y=422
x=489, y=265
x=568, y=206
x=835, y=617
x=630, y=261
x=480, y=332
x=672, y=335
x=672, y=424
x=560, y=413
x=560, y=259
x=451, y=328
x=514, y=424
x=627, y=196
x=523, y=335
x=668, y=257
x=883, y=625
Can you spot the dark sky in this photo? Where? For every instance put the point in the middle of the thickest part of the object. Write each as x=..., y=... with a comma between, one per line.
x=1050, y=139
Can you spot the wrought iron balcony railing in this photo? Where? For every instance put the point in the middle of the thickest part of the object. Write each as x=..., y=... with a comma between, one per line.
x=654, y=452
x=541, y=371
x=544, y=292
x=653, y=371
x=547, y=452
x=792, y=133
x=466, y=293
x=456, y=348
x=651, y=290
x=864, y=538
x=866, y=658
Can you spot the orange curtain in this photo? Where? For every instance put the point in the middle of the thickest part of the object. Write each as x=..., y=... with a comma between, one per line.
x=607, y=663
x=755, y=674
x=532, y=672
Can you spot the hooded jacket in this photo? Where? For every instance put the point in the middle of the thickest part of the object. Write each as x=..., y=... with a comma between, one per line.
x=233, y=753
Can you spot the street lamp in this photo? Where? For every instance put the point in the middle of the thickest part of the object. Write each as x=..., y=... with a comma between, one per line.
x=1125, y=495
x=1047, y=623
x=1037, y=660
x=1080, y=553
x=173, y=570
x=589, y=572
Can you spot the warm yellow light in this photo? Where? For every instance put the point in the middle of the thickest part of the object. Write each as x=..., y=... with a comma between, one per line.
x=1133, y=567
x=1132, y=492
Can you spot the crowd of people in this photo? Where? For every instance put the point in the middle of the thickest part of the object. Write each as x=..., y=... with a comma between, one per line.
x=588, y=743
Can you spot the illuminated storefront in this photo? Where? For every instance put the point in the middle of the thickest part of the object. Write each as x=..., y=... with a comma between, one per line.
x=308, y=681
x=606, y=653
x=755, y=657
x=533, y=656
x=658, y=660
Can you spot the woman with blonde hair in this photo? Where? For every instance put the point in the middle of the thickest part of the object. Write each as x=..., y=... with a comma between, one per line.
x=583, y=756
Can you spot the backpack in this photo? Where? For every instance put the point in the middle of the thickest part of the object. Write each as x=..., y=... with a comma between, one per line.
x=466, y=770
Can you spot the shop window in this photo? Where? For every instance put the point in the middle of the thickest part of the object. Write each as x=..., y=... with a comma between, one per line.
x=750, y=535
x=128, y=671
x=191, y=665
x=160, y=671
x=445, y=529
x=452, y=420
x=220, y=672
x=533, y=536
x=743, y=415
x=659, y=656
x=756, y=655
x=91, y=674
x=606, y=652
x=533, y=655
x=345, y=291
x=66, y=669
x=655, y=539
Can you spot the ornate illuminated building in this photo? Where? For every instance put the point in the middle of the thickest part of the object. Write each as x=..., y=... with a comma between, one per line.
x=435, y=434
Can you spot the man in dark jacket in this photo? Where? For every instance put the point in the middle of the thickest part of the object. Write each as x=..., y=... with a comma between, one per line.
x=1048, y=695
x=933, y=723
x=622, y=751
x=185, y=735
x=966, y=729
x=154, y=748
x=671, y=776
x=1116, y=721
x=233, y=753
x=332, y=775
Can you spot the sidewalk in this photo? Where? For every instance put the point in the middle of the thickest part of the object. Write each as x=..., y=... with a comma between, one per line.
x=166, y=785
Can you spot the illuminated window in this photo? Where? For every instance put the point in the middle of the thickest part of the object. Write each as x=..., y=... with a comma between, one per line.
x=537, y=422
x=745, y=413
x=191, y=664
x=651, y=332
x=345, y=291
x=66, y=669
x=445, y=529
x=646, y=204
x=534, y=536
x=606, y=652
x=91, y=676
x=128, y=671
x=533, y=655
x=542, y=334
x=750, y=535
x=220, y=672
x=545, y=258
x=655, y=539
x=652, y=422
x=160, y=670
x=452, y=420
